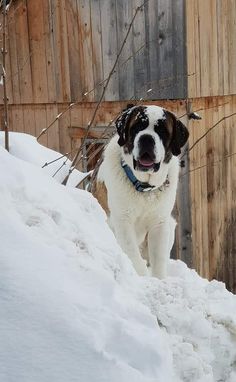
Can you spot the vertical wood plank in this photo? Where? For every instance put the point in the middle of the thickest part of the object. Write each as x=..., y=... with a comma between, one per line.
x=232, y=46
x=37, y=49
x=23, y=53
x=232, y=205
x=165, y=34
x=60, y=44
x=97, y=47
x=223, y=270
x=73, y=50
x=8, y=67
x=152, y=18
x=14, y=78
x=48, y=11
x=124, y=14
x=17, y=121
x=140, y=53
x=76, y=118
x=109, y=46
x=84, y=22
x=204, y=37
x=213, y=187
x=29, y=120
x=178, y=31
x=53, y=132
x=190, y=37
x=202, y=174
x=64, y=124
x=221, y=49
x=227, y=272
x=213, y=54
x=41, y=123
x=197, y=54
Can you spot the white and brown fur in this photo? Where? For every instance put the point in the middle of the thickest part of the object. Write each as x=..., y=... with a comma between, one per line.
x=149, y=140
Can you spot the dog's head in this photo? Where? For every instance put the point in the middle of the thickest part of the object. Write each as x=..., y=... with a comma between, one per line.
x=150, y=135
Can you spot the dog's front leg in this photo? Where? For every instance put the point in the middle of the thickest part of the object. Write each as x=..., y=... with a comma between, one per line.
x=160, y=242
x=126, y=237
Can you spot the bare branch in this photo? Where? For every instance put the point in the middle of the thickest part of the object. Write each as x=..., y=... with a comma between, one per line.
x=208, y=164
x=74, y=161
x=208, y=131
x=56, y=119
x=5, y=98
x=204, y=108
x=55, y=160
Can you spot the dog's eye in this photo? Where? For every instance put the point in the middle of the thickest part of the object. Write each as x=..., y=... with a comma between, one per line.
x=162, y=131
x=137, y=127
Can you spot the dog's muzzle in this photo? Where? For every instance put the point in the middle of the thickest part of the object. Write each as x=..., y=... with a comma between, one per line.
x=146, y=160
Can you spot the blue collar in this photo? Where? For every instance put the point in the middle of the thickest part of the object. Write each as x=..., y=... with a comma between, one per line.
x=140, y=186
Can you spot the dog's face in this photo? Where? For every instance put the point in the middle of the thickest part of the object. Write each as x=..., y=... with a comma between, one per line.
x=150, y=135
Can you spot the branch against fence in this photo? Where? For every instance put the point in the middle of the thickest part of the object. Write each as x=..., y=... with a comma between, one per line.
x=206, y=133
x=74, y=161
x=208, y=164
x=5, y=98
x=57, y=117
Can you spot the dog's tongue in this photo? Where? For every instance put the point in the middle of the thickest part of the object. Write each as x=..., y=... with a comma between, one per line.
x=146, y=162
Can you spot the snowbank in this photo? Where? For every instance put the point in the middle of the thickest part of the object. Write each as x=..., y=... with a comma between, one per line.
x=26, y=147
x=73, y=308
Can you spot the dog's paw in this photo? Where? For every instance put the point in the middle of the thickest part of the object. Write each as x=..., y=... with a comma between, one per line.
x=141, y=267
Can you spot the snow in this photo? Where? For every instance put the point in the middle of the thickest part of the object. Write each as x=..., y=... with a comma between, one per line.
x=26, y=147
x=72, y=306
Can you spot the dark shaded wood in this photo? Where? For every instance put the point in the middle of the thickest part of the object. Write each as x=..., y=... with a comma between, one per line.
x=124, y=14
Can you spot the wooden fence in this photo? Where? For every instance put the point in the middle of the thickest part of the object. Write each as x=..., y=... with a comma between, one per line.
x=211, y=48
x=59, y=50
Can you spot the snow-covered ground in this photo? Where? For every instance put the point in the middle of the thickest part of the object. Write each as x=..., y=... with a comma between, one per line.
x=71, y=306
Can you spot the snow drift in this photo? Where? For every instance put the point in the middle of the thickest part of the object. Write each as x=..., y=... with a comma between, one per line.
x=73, y=308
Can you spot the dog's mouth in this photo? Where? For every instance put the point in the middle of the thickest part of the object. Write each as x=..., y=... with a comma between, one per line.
x=145, y=163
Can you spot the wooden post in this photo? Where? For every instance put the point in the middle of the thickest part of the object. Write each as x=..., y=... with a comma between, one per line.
x=5, y=99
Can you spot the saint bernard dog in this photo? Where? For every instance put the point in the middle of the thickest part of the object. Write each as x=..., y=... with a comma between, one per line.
x=137, y=181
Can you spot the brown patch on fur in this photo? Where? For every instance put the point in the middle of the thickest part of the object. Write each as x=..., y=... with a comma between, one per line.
x=169, y=124
x=133, y=117
x=99, y=191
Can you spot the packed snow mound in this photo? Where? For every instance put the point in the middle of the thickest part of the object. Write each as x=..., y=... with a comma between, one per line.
x=26, y=147
x=72, y=306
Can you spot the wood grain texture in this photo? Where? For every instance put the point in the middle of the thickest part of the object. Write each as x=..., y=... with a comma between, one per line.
x=61, y=49
x=38, y=61
x=23, y=53
x=211, y=49
x=124, y=13
x=109, y=46
x=74, y=49
x=98, y=73
x=85, y=46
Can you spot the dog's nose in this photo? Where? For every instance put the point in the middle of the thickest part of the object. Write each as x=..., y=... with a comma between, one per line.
x=146, y=144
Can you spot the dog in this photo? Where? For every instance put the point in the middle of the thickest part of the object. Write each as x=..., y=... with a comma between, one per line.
x=137, y=182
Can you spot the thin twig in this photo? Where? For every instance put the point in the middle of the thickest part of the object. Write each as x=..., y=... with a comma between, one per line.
x=208, y=164
x=209, y=130
x=55, y=160
x=5, y=98
x=206, y=133
x=63, y=164
x=205, y=108
x=57, y=117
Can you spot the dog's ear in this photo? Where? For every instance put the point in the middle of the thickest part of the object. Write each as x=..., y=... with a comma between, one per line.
x=121, y=123
x=180, y=135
